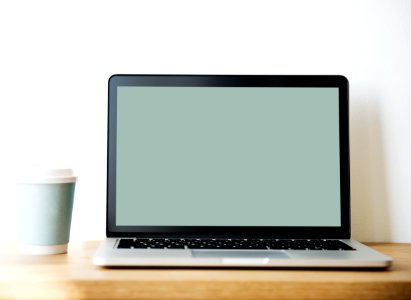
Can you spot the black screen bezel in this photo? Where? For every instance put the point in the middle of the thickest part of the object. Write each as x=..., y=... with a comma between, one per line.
x=338, y=81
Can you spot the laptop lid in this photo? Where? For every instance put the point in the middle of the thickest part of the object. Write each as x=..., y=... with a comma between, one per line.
x=228, y=156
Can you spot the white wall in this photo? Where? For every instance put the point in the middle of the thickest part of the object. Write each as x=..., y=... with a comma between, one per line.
x=56, y=57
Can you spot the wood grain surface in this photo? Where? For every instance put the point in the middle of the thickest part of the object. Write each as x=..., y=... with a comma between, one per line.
x=72, y=276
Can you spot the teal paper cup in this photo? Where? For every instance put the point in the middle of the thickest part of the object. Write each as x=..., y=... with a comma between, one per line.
x=45, y=199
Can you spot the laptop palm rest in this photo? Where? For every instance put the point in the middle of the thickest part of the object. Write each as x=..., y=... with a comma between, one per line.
x=238, y=254
x=239, y=257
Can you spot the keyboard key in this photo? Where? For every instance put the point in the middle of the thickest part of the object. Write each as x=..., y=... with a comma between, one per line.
x=125, y=243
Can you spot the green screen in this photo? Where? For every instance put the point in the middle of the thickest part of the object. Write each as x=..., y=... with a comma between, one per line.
x=227, y=156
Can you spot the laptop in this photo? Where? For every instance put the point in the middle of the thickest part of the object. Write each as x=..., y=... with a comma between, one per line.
x=230, y=171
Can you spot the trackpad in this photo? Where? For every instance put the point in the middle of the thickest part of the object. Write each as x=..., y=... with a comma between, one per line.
x=248, y=254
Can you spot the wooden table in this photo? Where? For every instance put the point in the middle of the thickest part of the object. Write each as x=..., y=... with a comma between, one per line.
x=73, y=276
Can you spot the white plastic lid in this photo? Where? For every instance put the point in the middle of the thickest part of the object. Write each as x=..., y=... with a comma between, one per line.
x=44, y=175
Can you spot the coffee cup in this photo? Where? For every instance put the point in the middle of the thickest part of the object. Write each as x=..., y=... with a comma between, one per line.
x=45, y=204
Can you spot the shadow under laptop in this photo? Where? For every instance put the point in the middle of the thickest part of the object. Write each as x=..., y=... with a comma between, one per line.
x=236, y=268
x=370, y=211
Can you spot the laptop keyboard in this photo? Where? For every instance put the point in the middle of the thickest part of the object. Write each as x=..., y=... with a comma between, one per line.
x=263, y=244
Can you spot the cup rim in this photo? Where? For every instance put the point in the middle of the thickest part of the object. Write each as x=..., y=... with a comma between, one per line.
x=47, y=175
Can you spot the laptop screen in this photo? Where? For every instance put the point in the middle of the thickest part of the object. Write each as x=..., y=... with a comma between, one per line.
x=227, y=156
